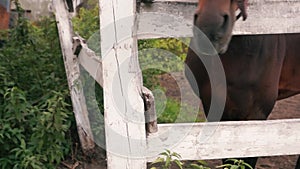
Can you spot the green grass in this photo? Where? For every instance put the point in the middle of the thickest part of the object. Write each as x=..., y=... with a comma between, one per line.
x=170, y=110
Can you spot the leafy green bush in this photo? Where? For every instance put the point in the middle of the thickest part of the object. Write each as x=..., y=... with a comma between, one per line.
x=35, y=111
x=86, y=23
x=159, y=56
x=171, y=111
x=168, y=160
x=236, y=164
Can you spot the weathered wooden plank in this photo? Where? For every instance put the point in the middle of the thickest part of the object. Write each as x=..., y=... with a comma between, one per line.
x=217, y=140
x=160, y=19
x=123, y=103
x=170, y=18
x=150, y=111
x=88, y=60
x=73, y=73
x=270, y=17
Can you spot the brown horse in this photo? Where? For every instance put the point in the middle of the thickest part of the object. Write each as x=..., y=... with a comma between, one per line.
x=259, y=69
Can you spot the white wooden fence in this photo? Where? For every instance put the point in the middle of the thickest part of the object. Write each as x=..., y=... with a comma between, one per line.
x=127, y=144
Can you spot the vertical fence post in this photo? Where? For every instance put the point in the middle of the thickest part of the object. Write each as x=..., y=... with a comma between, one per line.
x=122, y=85
x=73, y=75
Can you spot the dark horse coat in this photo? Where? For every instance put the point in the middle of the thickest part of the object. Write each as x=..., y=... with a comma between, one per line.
x=259, y=70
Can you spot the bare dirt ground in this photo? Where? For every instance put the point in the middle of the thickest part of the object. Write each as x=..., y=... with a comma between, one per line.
x=175, y=85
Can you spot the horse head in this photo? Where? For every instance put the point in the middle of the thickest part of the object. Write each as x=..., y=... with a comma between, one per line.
x=216, y=18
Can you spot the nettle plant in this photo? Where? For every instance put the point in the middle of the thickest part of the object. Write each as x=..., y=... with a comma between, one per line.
x=171, y=160
x=35, y=111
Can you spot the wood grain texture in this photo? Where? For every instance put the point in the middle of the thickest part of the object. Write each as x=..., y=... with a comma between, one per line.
x=217, y=140
x=265, y=17
x=123, y=104
x=72, y=70
x=89, y=60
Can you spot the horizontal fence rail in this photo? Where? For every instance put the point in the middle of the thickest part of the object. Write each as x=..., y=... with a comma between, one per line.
x=174, y=18
x=216, y=140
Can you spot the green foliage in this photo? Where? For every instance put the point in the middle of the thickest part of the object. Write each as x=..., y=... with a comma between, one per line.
x=176, y=46
x=171, y=111
x=237, y=164
x=87, y=22
x=158, y=56
x=168, y=159
x=200, y=164
x=35, y=111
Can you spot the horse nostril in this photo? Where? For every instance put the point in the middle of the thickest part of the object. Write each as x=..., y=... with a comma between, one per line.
x=195, y=18
x=225, y=20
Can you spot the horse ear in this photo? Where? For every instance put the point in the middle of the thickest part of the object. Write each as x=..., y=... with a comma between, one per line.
x=242, y=5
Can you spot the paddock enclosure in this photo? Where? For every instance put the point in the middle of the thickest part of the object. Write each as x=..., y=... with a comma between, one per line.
x=128, y=145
